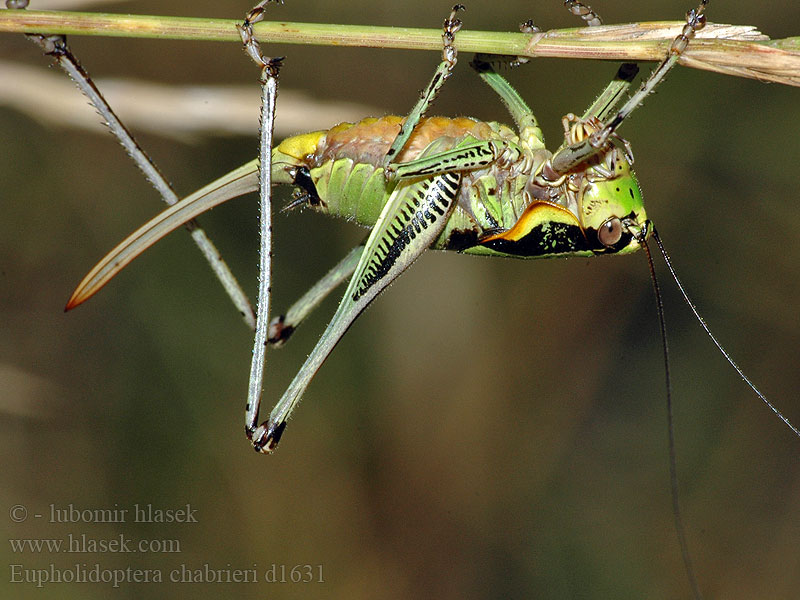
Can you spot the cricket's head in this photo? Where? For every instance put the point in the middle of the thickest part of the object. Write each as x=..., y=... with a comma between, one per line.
x=610, y=205
x=600, y=186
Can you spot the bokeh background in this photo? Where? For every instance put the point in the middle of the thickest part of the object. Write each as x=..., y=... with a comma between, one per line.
x=489, y=428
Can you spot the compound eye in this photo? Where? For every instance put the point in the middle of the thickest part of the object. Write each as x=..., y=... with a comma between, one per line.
x=610, y=232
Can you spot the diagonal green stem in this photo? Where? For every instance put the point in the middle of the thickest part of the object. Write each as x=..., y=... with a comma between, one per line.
x=725, y=49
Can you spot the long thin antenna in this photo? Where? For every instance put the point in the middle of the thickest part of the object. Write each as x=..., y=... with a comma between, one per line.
x=673, y=461
x=722, y=350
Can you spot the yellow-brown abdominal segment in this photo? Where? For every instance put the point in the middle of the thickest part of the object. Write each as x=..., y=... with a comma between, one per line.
x=368, y=141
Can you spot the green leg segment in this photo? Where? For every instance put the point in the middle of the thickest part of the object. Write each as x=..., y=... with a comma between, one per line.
x=283, y=326
x=443, y=71
x=464, y=157
x=602, y=107
x=607, y=101
x=526, y=123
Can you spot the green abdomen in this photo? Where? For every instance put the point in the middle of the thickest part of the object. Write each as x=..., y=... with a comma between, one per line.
x=355, y=191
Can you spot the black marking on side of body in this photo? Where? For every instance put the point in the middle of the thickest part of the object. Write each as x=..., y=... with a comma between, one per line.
x=545, y=239
x=461, y=239
x=421, y=210
x=303, y=180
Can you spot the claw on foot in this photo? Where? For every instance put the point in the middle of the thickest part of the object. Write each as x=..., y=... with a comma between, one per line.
x=266, y=436
x=452, y=24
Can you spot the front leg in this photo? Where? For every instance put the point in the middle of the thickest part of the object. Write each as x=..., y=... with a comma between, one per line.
x=569, y=157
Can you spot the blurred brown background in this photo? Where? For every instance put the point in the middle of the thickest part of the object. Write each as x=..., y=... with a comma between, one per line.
x=506, y=439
